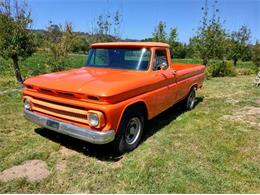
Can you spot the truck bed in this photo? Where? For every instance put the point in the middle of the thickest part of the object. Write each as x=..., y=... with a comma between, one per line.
x=187, y=70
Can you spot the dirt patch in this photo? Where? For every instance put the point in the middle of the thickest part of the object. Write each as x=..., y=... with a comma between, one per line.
x=32, y=170
x=66, y=152
x=61, y=165
x=258, y=102
x=248, y=114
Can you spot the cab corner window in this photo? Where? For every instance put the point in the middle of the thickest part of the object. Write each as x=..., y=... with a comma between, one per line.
x=160, y=60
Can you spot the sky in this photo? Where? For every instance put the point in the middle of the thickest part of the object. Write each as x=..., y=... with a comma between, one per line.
x=141, y=16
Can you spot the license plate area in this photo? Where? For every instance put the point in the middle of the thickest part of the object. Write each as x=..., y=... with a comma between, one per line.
x=53, y=124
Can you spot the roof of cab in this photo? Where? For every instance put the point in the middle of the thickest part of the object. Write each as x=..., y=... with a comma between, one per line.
x=130, y=44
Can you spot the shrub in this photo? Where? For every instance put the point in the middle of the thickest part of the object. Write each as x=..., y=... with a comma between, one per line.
x=245, y=71
x=187, y=61
x=256, y=56
x=208, y=72
x=220, y=69
x=247, y=65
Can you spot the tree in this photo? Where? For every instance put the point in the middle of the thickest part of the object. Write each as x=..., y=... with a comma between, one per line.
x=172, y=36
x=209, y=42
x=104, y=25
x=16, y=40
x=159, y=33
x=39, y=38
x=117, y=24
x=172, y=40
x=177, y=49
x=81, y=44
x=256, y=55
x=239, y=48
x=180, y=50
x=59, y=42
x=150, y=39
x=192, y=51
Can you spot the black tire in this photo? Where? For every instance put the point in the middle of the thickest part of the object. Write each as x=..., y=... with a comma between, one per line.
x=189, y=102
x=121, y=143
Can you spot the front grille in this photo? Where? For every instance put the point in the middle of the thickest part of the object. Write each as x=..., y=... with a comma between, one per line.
x=63, y=111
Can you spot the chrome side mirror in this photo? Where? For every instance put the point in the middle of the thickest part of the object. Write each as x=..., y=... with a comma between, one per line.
x=163, y=66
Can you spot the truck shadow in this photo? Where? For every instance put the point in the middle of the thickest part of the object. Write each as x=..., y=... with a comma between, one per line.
x=101, y=152
x=105, y=152
x=165, y=118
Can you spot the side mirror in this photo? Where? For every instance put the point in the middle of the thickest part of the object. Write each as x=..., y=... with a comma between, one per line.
x=163, y=66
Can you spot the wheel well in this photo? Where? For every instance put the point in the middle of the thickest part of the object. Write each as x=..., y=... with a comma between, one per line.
x=140, y=106
x=195, y=86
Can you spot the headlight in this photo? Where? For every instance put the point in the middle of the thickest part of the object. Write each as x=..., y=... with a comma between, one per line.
x=93, y=119
x=27, y=104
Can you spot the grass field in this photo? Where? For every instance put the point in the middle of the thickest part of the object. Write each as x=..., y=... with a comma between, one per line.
x=39, y=63
x=214, y=148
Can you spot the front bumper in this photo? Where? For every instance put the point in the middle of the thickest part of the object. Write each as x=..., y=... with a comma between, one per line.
x=96, y=137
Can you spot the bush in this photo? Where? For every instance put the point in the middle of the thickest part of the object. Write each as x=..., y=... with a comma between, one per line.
x=220, y=69
x=247, y=68
x=247, y=65
x=256, y=56
x=245, y=71
x=187, y=61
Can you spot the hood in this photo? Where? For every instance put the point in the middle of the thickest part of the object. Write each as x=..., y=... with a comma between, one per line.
x=100, y=82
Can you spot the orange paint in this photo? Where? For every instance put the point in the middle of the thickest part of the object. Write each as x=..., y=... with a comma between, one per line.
x=111, y=91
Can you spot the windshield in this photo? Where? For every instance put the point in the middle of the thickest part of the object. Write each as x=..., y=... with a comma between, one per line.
x=119, y=58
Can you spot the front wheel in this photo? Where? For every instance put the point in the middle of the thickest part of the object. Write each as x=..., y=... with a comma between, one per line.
x=130, y=131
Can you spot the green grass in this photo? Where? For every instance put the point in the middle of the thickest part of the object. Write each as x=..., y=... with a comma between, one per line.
x=200, y=151
x=39, y=63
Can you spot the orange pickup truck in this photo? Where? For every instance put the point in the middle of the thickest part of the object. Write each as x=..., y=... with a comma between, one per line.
x=122, y=85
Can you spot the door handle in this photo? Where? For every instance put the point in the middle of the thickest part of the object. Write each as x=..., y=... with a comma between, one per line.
x=174, y=72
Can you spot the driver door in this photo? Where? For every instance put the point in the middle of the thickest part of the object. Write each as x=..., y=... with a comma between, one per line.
x=162, y=68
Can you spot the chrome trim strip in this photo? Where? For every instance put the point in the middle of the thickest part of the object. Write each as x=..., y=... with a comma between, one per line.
x=95, y=137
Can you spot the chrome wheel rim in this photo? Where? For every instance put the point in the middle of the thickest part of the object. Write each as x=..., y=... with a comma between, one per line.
x=133, y=130
x=191, y=100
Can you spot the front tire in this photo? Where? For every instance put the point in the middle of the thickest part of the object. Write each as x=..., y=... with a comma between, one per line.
x=130, y=131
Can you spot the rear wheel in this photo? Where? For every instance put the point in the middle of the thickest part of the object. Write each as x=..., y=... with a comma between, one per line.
x=130, y=130
x=190, y=100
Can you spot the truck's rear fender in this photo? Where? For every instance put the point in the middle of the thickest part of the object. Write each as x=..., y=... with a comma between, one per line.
x=188, y=83
x=197, y=81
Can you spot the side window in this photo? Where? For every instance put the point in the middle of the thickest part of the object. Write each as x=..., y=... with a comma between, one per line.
x=160, y=58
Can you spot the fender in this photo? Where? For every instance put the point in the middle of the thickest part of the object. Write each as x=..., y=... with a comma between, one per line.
x=127, y=106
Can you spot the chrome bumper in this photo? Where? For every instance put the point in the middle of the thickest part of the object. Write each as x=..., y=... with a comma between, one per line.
x=96, y=137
